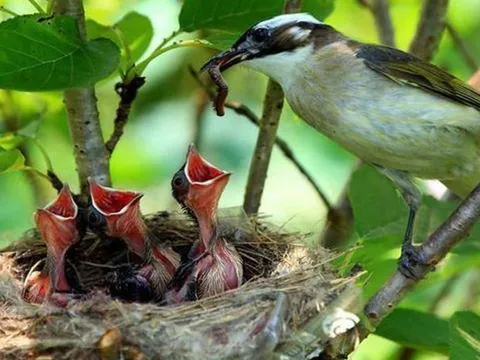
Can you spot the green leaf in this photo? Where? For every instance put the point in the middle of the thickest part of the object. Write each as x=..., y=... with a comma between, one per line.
x=11, y=160
x=318, y=8
x=10, y=141
x=465, y=336
x=238, y=15
x=50, y=55
x=378, y=208
x=136, y=29
x=417, y=330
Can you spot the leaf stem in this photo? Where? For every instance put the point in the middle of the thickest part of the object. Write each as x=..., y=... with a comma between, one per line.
x=121, y=37
x=7, y=11
x=42, y=150
x=37, y=7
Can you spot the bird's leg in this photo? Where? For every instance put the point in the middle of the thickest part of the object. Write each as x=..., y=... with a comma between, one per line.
x=412, y=197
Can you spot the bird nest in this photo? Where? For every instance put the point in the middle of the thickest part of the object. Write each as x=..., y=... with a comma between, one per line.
x=284, y=306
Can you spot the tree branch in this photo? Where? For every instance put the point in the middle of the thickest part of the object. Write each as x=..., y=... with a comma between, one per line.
x=268, y=126
x=91, y=156
x=430, y=28
x=127, y=90
x=432, y=251
x=469, y=59
x=381, y=12
x=245, y=111
x=272, y=110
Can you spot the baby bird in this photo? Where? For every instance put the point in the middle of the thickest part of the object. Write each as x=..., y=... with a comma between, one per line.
x=214, y=265
x=58, y=226
x=117, y=214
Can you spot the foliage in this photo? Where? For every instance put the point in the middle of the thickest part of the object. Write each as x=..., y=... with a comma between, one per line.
x=39, y=53
x=42, y=54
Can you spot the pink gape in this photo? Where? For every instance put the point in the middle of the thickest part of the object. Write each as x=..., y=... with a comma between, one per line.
x=57, y=224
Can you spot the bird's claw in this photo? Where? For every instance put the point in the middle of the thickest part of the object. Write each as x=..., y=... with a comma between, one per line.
x=411, y=263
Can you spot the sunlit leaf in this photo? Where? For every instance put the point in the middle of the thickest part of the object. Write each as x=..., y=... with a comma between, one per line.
x=136, y=29
x=238, y=15
x=50, y=55
x=10, y=141
x=11, y=160
x=465, y=336
x=416, y=329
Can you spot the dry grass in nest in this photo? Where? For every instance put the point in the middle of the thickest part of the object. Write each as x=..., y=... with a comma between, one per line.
x=286, y=287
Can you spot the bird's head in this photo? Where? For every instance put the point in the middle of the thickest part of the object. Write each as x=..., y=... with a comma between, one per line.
x=117, y=213
x=198, y=185
x=58, y=227
x=272, y=45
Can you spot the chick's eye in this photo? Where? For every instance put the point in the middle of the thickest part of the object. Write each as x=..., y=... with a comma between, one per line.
x=95, y=219
x=260, y=34
x=179, y=181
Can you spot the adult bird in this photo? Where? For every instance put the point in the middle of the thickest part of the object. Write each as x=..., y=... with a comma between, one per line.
x=214, y=265
x=59, y=228
x=117, y=214
x=403, y=115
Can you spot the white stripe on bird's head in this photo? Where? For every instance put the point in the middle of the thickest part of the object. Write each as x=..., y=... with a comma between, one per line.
x=281, y=20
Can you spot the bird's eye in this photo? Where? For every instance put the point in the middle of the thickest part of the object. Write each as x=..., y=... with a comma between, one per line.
x=260, y=34
x=179, y=181
x=95, y=219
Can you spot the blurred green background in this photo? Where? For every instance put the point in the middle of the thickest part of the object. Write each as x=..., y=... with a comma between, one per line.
x=163, y=123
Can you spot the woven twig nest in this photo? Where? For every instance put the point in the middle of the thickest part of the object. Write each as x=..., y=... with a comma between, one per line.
x=283, y=310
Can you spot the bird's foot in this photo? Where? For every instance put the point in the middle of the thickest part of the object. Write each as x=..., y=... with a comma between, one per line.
x=411, y=264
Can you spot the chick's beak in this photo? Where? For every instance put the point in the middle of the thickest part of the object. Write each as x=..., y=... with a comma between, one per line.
x=117, y=206
x=206, y=181
x=57, y=223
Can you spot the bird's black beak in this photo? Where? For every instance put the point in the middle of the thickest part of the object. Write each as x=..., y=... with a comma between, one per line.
x=228, y=58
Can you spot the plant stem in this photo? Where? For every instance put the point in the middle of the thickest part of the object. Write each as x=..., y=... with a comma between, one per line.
x=128, y=93
x=91, y=157
x=267, y=132
x=381, y=12
x=430, y=28
x=7, y=11
x=469, y=58
x=37, y=7
x=140, y=68
x=269, y=122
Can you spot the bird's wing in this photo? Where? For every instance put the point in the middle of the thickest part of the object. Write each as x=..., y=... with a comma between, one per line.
x=407, y=69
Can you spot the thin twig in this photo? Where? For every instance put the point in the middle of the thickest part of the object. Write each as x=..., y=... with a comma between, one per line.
x=381, y=12
x=431, y=252
x=430, y=28
x=469, y=59
x=128, y=93
x=7, y=11
x=36, y=6
x=287, y=151
x=91, y=156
